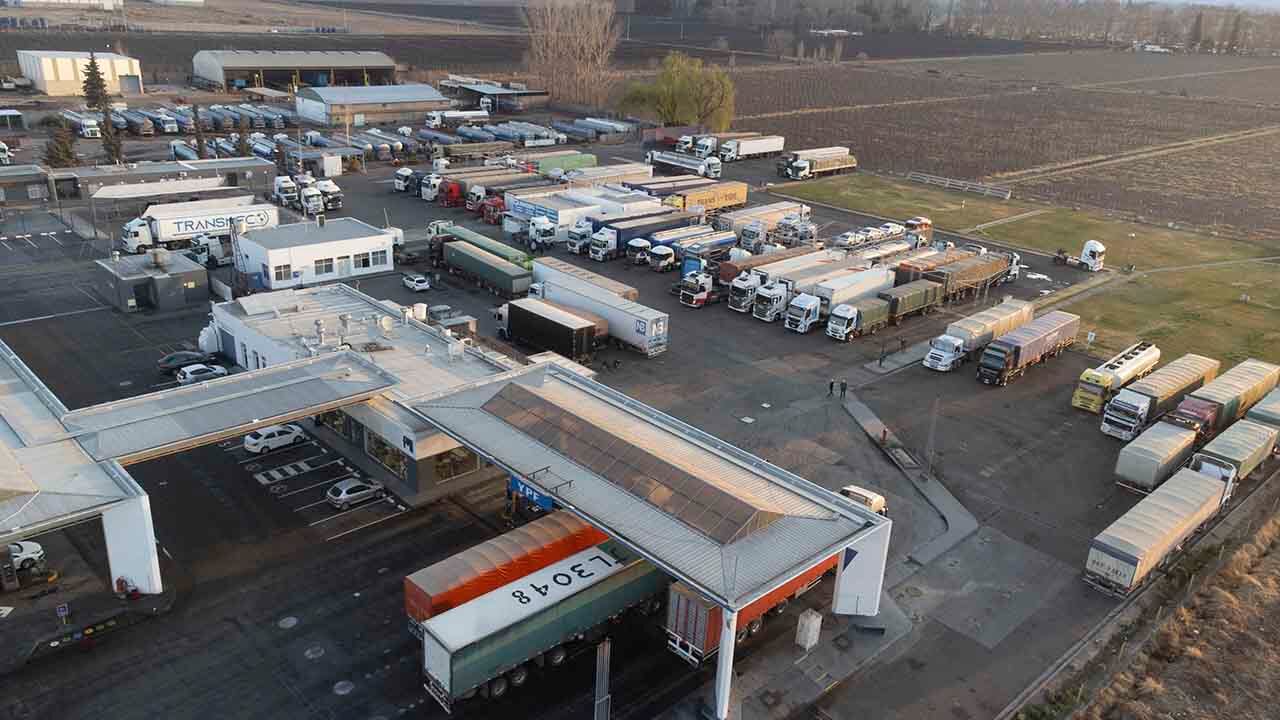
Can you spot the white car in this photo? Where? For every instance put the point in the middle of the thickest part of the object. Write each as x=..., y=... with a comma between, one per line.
x=26, y=554
x=199, y=373
x=893, y=228
x=417, y=283
x=273, y=437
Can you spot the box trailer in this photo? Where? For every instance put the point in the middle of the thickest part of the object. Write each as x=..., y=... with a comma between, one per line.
x=970, y=275
x=769, y=215
x=694, y=623
x=494, y=563
x=533, y=323
x=630, y=324
x=866, y=316
x=176, y=225
x=1236, y=452
x=1153, y=456
x=489, y=645
x=1122, y=557
x=731, y=269
x=807, y=164
x=1009, y=355
x=711, y=198
x=486, y=269
x=964, y=339
x=751, y=147
x=515, y=256
x=1267, y=410
x=549, y=269
x=814, y=305
x=1097, y=385
x=1237, y=390
x=610, y=241
x=1143, y=402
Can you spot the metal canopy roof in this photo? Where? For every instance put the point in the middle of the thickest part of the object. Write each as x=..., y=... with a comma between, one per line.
x=794, y=524
x=373, y=94
x=300, y=59
x=161, y=423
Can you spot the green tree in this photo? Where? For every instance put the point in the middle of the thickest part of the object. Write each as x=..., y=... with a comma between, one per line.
x=200, y=142
x=60, y=150
x=1196, y=35
x=685, y=92
x=96, y=97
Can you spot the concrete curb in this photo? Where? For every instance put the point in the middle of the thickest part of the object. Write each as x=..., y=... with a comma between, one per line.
x=960, y=522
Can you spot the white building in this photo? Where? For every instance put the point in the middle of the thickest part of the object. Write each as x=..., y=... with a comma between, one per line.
x=61, y=72
x=307, y=253
x=107, y=5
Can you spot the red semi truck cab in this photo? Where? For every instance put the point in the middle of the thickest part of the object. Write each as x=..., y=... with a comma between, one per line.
x=1198, y=415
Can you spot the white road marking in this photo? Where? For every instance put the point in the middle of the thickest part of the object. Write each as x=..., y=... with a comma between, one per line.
x=252, y=457
x=55, y=239
x=55, y=315
x=6, y=245
x=316, y=485
x=311, y=505
x=375, y=522
x=28, y=239
x=356, y=508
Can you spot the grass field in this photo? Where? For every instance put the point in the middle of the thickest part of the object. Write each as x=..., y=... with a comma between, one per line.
x=1198, y=311
x=880, y=196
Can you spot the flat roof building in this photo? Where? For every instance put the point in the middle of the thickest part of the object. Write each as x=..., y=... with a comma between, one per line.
x=288, y=69
x=158, y=280
x=253, y=174
x=307, y=253
x=61, y=72
x=373, y=105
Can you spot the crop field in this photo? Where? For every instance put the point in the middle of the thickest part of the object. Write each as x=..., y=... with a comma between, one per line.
x=1233, y=187
x=974, y=138
x=1090, y=67
x=779, y=90
x=1258, y=86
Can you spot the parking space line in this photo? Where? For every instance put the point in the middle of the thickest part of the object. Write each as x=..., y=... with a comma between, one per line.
x=340, y=478
x=357, y=508
x=28, y=239
x=368, y=524
x=55, y=239
x=298, y=446
x=311, y=505
x=7, y=245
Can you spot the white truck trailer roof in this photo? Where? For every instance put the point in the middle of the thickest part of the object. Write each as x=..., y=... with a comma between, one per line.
x=1267, y=411
x=1163, y=519
x=165, y=211
x=1176, y=376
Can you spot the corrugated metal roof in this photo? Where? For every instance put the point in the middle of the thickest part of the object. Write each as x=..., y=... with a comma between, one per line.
x=318, y=59
x=1156, y=523
x=812, y=526
x=1239, y=380
x=1176, y=375
x=138, y=266
x=1241, y=441
x=368, y=94
x=73, y=54
x=1267, y=411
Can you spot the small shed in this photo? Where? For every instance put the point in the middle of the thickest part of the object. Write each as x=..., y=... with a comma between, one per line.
x=157, y=281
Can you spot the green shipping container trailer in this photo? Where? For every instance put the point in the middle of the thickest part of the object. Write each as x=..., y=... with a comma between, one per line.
x=488, y=269
x=512, y=255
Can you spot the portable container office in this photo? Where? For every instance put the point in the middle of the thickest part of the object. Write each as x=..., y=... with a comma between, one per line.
x=1267, y=411
x=494, y=563
x=1153, y=456
x=1238, y=389
x=1122, y=556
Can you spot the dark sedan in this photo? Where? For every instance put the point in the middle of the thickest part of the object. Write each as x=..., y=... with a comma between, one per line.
x=173, y=362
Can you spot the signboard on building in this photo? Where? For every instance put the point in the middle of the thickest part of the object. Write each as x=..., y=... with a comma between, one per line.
x=529, y=492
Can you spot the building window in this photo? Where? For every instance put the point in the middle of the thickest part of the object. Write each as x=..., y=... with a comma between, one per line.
x=361, y=260
x=324, y=266
x=379, y=257
x=451, y=464
x=387, y=455
x=283, y=272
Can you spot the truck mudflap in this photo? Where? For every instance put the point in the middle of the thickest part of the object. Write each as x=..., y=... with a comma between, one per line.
x=437, y=691
x=1106, y=587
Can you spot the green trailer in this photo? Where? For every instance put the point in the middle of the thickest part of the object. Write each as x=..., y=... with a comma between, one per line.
x=914, y=297
x=488, y=645
x=564, y=163
x=512, y=255
x=487, y=270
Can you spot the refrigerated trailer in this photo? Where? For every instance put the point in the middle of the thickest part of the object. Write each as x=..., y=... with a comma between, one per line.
x=533, y=323
x=631, y=324
x=751, y=147
x=549, y=269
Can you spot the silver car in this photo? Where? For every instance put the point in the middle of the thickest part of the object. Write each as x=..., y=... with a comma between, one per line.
x=354, y=491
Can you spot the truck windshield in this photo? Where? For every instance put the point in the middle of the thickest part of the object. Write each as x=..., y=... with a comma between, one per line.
x=795, y=313
x=992, y=358
x=1093, y=389
x=941, y=343
x=597, y=243
x=1123, y=413
x=737, y=291
x=763, y=301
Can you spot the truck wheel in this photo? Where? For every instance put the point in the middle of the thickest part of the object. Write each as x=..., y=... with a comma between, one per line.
x=142, y=249
x=498, y=687
x=753, y=627
x=518, y=676
x=781, y=607
x=741, y=635
x=556, y=656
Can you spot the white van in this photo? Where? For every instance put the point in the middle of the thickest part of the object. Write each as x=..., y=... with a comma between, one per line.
x=873, y=501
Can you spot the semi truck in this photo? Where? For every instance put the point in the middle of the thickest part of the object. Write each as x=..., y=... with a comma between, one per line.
x=1267, y=410
x=707, y=247
x=916, y=268
x=539, y=325
x=488, y=645
x=439, y=231
x=84, y=124
x=744, y=288
x=1153, y=456
x=965, y=339
x=477, y=194
x=486, y=269
x=1009, y=355
x=706, y=288
x=595, y=217
x=664, y=238
x=1227, y=398
x=751, y=147
x=769, y=215
x=867, y=316
x=610, y=241
x=772, y=300
x=818, y=162
x=708, y=167
x=706, y=144
x=429, y=188
x=694, y=623
x=175, y=225
x=970, y=275
x=813, y=307
x=631, y=324
x=488, y=566
x=671, y=184
x=456, y=118
x=554, y=270
x=1236, y=452
x=1098, y=385
x=1122, y=557
x=1143, y=402
x=608, y=174
x=710, y=198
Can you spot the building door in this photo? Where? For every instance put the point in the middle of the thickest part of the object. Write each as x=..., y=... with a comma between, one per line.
x=344, y=266
x=142, y=296
x=130, y=85
x=227, y=345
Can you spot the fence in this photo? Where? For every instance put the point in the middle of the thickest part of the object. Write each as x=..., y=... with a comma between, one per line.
x=963, y=185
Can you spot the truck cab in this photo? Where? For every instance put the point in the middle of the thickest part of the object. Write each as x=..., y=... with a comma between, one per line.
x=6, y=158
x=685, y=143
x=705, y=146
x=772, y=300
x=310, y=201
x=284, y=191
x=946, y=353
x=994, y=365
x=1199, y=416
x=638, y=251
x=803, y=313
x=401, y=179
x=1126, y=415
x=742, y=291
x=429, y=187
x=331, y=192
x=579, y=236
x=542, y=232
x=1092, y=390
x=211, y=251
x=753, y=236
x=662, y=259
x=475, y=196
x=842, y=323
x=136, y=236
x=604, y=244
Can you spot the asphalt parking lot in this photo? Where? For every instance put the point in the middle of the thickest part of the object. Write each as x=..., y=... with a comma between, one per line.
x=32, y=236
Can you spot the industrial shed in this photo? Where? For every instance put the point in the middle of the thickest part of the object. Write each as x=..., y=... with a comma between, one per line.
x=61, y=72
x=232, y=69
x=358, y=106
x=159, y=280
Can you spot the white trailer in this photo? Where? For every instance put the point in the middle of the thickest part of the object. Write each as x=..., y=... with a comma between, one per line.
x=1153, y=456
x=770, y=215
x=1098, y=385
x=554, y=270
x=965, y=338
x=631, y=324
x=454, y=118
x=743, y=148
x=773, y=299
x=708, y=167
x=84, y=124
x=175, y=225
x=743, y=289
x=812, y=306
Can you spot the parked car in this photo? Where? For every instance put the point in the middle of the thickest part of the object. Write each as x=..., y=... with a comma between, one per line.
x=417, y=283
x=273, y=437
x=199, y=373
x=173, y=362
x=353, y=491
x=26, y=554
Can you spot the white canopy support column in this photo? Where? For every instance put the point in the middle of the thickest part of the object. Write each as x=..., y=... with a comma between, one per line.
x=131, y=544
x=724, y=663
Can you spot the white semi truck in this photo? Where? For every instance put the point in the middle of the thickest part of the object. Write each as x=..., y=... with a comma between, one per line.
x=753, y=147
x=812, y=307
x=743, y=288
x=964, y=339
x=175, y=225
x=708, y=167
x=773, y=299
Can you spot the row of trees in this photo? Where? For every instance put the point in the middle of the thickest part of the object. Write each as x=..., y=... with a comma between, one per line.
x=59, y=151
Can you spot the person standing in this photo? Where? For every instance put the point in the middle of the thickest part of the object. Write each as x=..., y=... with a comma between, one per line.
x=831, y=387
x=844, y=387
